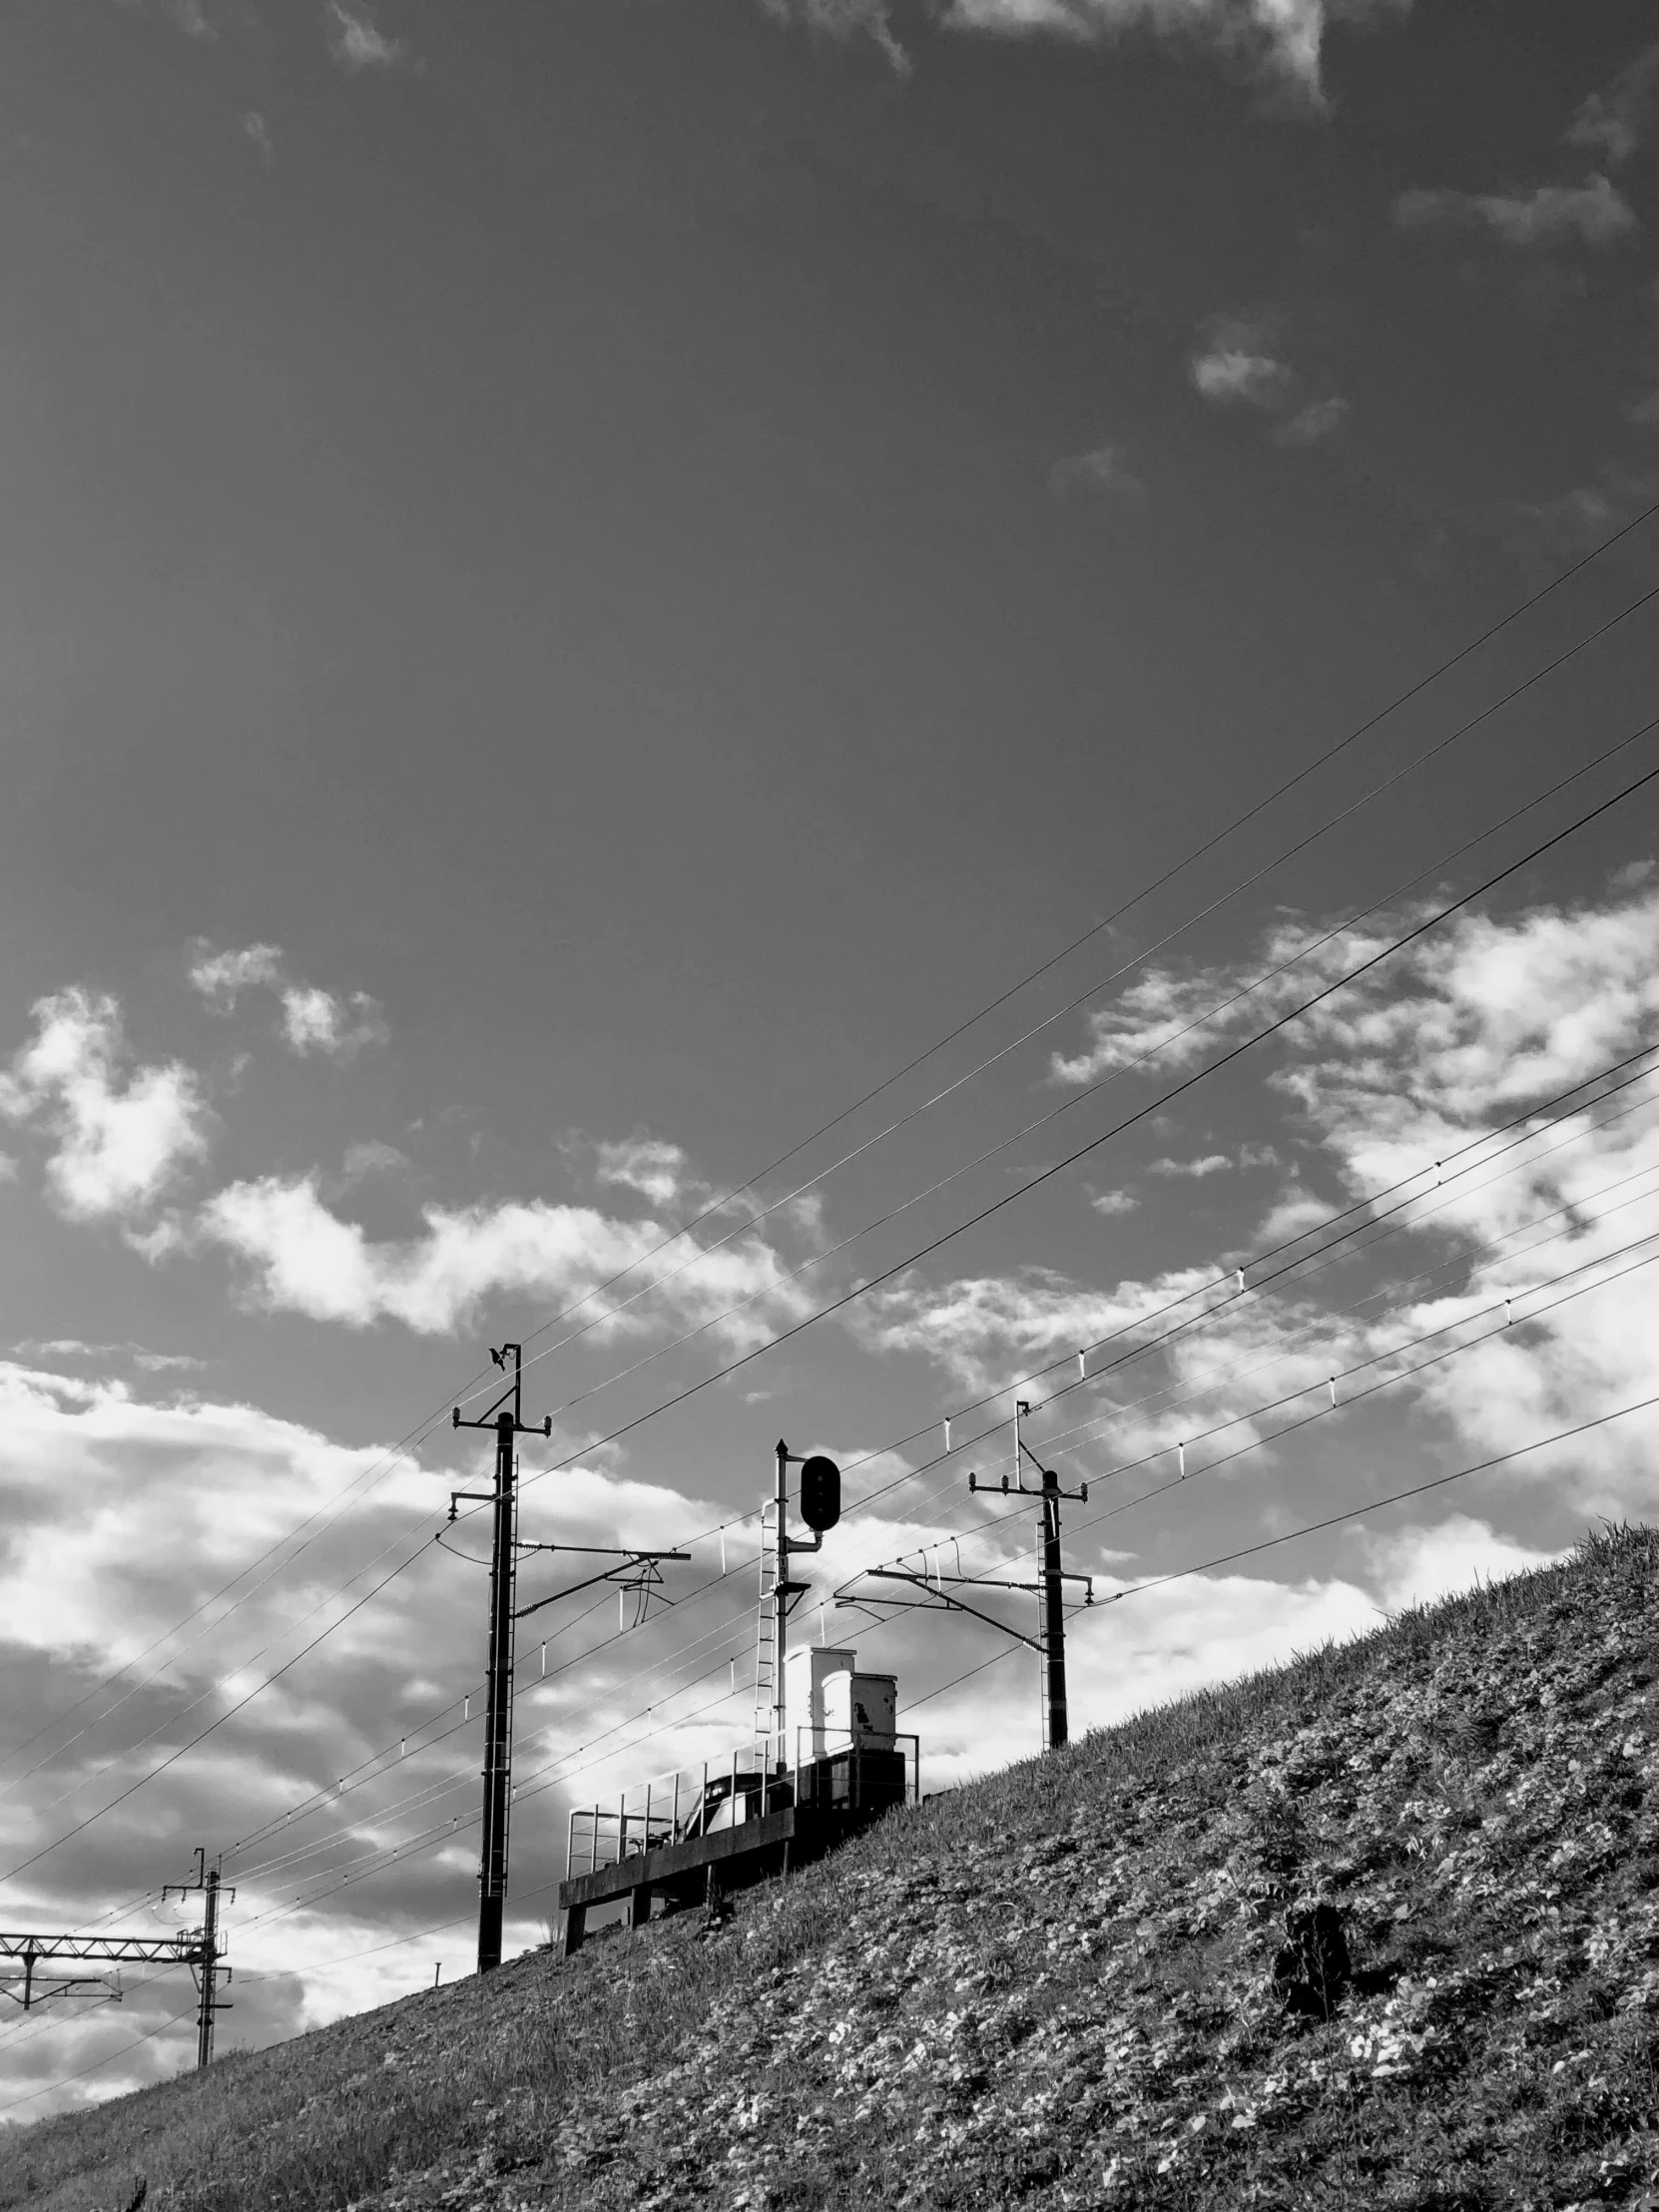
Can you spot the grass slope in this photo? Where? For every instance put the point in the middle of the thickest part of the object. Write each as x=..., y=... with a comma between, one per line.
x=1379, y=1927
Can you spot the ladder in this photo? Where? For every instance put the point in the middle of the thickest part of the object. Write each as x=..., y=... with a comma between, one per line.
x=766, y=1635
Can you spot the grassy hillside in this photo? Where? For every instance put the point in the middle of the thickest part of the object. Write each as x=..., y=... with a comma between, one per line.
x=1381, y=1928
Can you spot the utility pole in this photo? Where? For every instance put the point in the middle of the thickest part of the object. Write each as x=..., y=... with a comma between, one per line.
x=1054, y=1618
x=1049, y=1643
x=205, y=1952
x=638, y=1572
x=1052, y=1614
x=504, y=1417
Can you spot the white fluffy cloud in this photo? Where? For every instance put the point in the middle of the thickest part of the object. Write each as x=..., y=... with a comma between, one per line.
x=314, y=1019
x=120, y=1135
x=1285, y=37
x=1236, y=365
x=1282, y=39
x=1312, y=423
x=356, y=42
x=1449, y=1039
x=302, y=1257
x=1595, y=212
x=985, y=1330
x=655, y=1170
x=1615, y=121
x=134, y=1531
x=1240, y=362
x=222, y=977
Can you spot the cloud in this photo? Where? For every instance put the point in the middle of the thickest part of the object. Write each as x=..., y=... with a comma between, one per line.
x=1451, y=1037
x=846, y=20
x=1236, y=368
x=1614, y=122
x=255, y=128
x=222, y=977
x=1310, y=424
x=1592, y=213
x=301, y=1258
x=314, y=1020
x=1587, y=513
x=127, y=1515
x=1416, y=1566
x=1283, y=39
x=1212, y=1163
x=72, y=1347
x=371, y=1158
x=1114, y=1202
x=646, y=1164
x=1240, y=362
x=120, y=1138
x=984, y=1330
x=1102, y=471
x=354, y=41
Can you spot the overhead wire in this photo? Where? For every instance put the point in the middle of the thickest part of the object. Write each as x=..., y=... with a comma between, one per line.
x=818, y=1258
x=1198, y=852
x=1313, y=1528
x=960, y=1227
x=1475, y=1145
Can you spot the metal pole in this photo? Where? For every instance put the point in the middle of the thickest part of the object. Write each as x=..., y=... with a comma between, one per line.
x=780, y=1604
x=498, y=1717
x=1054, y=1620
x=210, y=1978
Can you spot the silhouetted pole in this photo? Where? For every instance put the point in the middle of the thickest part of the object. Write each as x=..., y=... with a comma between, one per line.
x=205, y=1950
x=504, y=1418
x=210, y=1978
x=498, y=1714
x=1054, y=1618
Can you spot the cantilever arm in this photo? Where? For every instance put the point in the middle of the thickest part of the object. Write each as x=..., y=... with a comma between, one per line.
x=628, y=1566
x=935, y=1599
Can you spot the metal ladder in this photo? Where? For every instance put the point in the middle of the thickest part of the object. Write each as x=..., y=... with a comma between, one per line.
x=766, y=1635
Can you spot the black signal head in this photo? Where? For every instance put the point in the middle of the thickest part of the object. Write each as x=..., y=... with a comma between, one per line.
x=820, y=1493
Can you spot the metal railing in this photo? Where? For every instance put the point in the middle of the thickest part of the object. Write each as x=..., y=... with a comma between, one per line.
x=689, y=1802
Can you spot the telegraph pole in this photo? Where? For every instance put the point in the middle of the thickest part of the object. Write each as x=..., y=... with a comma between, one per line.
x=1049, y=1643
x=205, y=1952
x=1054, y=1618
x=504, y=1418
x=1052, y=1615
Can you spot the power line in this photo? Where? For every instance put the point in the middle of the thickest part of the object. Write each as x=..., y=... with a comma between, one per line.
x=1363, y=1207
x=1198, y=852
x=1392, y=1352
x=1082, y=1152
x=1313, y=1528
x=1475, y=1145
x=994, y=1207
x=321, y=1800
x=1257, y=808
x=817, y=1258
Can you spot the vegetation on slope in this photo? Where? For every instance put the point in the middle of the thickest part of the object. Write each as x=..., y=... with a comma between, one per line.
x=1381, y=1927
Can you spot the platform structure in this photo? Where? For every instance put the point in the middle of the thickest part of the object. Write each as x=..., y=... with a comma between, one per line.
x=690, y=1836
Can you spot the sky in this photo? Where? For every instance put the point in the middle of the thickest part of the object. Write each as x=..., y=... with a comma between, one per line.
x=838, y=711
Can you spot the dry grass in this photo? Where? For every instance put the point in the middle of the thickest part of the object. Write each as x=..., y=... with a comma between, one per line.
x=1055, y=1986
